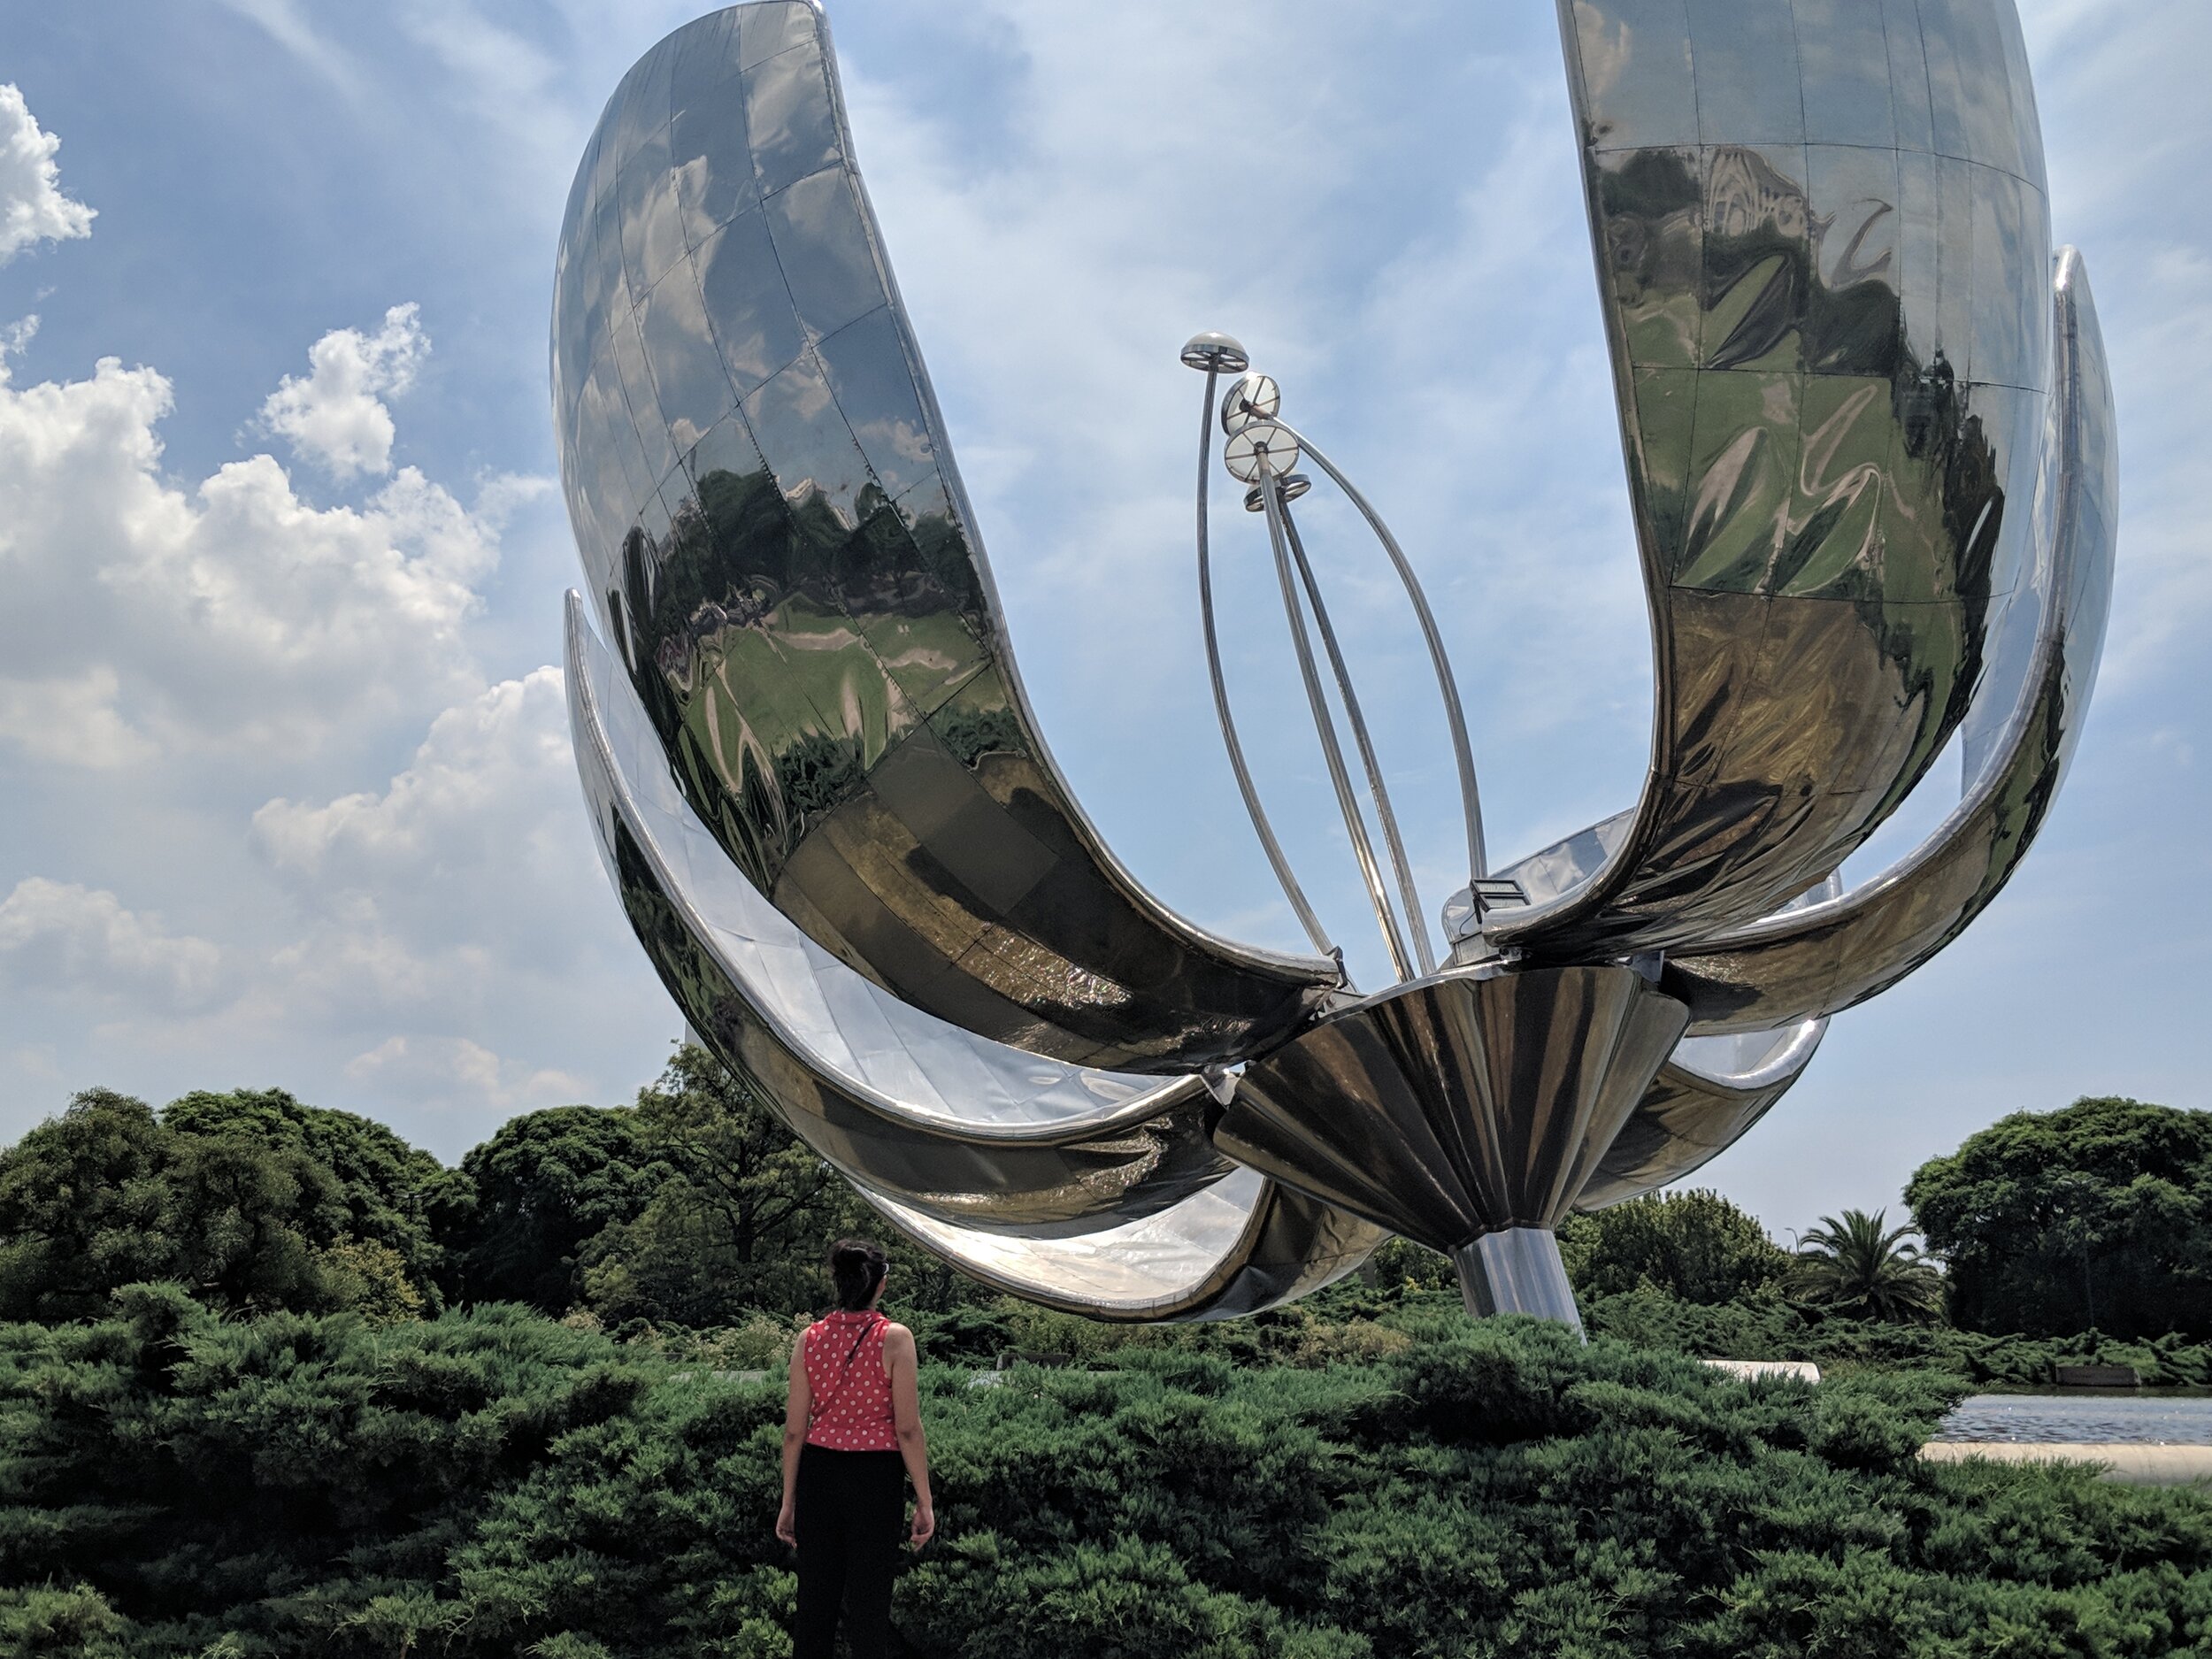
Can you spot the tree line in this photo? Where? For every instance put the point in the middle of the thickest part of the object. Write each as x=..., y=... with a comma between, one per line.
x=695, y=1208
x=692, y=1206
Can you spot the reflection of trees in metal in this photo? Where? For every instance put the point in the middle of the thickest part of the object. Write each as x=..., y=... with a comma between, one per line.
x=1869, y=454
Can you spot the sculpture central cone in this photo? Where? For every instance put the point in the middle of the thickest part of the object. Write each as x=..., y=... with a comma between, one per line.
x=1465, y=1111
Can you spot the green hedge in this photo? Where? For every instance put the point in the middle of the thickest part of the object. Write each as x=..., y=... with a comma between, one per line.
x=495, y=1484
x=1769, y=1328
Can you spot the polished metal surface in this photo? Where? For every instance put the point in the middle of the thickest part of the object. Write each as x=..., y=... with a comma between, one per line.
x=780, y=551
x=1710, y=1091
x=1873, y=468
x=1250, y=398
x=1516, y=1271
x=1831, y=955
x=1324, y=723
x=1460, y=1105
x=1242, y=1245
x=1823, y=252
x=1262, y=448
x=1205, y=352
x=1370, y=762
x=1292, y=486
x=1216, y=353
x=965, y=1128
x=1432, y=636
x=1259, y=448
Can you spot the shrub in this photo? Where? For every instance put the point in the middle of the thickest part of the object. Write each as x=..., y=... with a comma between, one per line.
x=492, y=1482
x=1696, y=1245
x=2098, y=1216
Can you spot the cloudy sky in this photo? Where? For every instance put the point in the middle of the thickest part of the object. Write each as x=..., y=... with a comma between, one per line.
x=287, y=792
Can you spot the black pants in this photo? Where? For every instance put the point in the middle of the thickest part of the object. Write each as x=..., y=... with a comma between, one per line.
x=847, y=1510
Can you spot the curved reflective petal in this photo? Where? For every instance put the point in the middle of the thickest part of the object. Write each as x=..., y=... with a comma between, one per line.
x=1242, y=1245
x=1821, y=242
x=1835, y=954
x=1703, y=1100
x=1873, y=493
x=778, y=543
x=953, y=1124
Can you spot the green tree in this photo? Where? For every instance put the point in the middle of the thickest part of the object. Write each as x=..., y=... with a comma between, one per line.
x=740, y=1219
x=234, y=1197
x=2098, y=1215
x=395, y=1196
x=545, y=1185
x=1696, y=1245
x=85, y=1205
x=1855, y=1265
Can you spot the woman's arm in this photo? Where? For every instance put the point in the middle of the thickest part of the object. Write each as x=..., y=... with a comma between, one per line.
x=906, y=1416
x=795, y=1407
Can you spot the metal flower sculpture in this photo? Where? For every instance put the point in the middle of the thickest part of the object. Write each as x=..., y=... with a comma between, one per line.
x=1871, y=454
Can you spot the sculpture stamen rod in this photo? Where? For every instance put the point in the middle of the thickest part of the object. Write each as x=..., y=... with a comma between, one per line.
x=1871, y=465
x=1263, y=452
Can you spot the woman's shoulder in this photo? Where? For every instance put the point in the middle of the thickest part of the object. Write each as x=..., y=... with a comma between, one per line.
x=896, y=1335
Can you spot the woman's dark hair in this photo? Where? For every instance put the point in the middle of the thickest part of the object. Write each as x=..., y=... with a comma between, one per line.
x=857, y=1267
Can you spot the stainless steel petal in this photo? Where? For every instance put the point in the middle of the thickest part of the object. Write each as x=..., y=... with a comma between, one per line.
x=947, y=1123
x=2019, y=739
x=1461, y=1105
x=777, y=540
x=1709, y=1092
x=1243, y=1245
x=1829, y=406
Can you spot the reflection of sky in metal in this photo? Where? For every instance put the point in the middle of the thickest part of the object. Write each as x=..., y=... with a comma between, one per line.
x=1822, y=247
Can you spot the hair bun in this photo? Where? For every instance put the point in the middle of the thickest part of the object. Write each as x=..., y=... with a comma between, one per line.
x=857, y=1267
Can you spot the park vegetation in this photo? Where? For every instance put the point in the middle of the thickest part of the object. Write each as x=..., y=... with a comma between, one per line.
x=273, y=1382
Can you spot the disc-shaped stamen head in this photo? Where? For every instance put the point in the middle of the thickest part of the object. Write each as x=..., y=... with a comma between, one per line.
x=1252, y=396
x=1296, y=485
x=1211, y=353
x=1259, y=450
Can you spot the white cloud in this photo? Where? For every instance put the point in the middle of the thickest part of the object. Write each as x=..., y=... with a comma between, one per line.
x=335, y=417
x=458, y=1071
x=233, y=615
x=282, y=22
x=56, y=935
x=463, y=874
x=473, y=796
x=70, y=721
x=32, y=207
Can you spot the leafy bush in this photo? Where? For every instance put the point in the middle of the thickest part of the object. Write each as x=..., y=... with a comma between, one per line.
x=255, y=1199
x=1769, y=1328
x=1695, y=1245
x=491, y=1483
x=2098, y=1216
x=546, y=1183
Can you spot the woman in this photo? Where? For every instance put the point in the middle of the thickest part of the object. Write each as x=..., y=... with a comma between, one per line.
x=853, y=1417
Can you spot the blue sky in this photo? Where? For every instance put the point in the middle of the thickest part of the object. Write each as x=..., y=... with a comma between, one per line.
x=289, y=800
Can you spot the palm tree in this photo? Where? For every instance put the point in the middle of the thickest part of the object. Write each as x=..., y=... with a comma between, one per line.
x=1851, y=1264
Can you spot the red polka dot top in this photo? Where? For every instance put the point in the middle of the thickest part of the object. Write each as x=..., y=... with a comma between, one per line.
x=851, y=1406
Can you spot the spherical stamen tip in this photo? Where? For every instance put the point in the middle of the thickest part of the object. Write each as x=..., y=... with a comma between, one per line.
x=1251, y=397
x=1217, y=353
x=1259, y=450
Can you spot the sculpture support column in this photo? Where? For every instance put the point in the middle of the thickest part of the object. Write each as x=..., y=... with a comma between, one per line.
x=1518, y=1271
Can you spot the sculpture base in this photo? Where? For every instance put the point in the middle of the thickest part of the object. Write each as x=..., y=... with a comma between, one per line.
x=1466, y=1112
x=1518, y=1271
